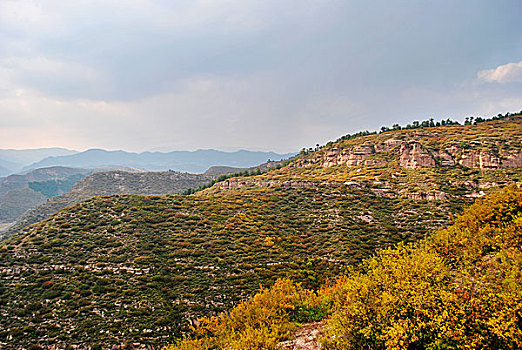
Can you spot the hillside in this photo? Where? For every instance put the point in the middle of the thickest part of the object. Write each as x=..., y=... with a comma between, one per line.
x=14, y=182
x=109, y=183
x=184, y=161
x=459, y=288
x=430, y=163
x=142, y=269
x=21, y=192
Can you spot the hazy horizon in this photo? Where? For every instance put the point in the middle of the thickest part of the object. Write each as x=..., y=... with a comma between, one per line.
x=147, y=75
x=229, y=150
x=236, y=149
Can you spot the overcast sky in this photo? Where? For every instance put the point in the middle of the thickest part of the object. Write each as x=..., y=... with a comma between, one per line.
x=227, y=74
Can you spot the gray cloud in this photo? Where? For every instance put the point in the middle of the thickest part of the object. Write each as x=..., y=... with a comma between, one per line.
x=279, y=75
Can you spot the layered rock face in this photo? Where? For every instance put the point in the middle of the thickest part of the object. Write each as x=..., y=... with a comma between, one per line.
x=411, y=154
x=414, y=156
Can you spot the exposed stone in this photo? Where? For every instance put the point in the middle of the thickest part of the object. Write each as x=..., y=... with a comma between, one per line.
x=380, y=191
x=414, y=156
x=305, y=338
x=354, y=184
x=486, y=185
x=475, y=194
x=430, y=196
x=453, y=150
x=513, y=160
x=359, y=154
x=388, y=145
x=444, y=158
x=479, y=159
x=470, y=184
x=237, y=183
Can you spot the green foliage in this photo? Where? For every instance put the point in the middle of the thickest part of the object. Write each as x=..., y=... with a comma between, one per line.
x=51, y=188
x=136, y=259
x=259, y=323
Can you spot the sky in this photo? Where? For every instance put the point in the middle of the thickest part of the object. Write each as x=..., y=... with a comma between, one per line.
x=274, y=75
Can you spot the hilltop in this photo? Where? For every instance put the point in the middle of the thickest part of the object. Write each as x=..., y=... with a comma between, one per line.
x=143, y=269
x=432, y=163
x=110, y=183
x=261, y=168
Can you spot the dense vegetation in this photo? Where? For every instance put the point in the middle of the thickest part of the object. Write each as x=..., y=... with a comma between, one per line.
x=143, y=269
x=97, y=184
x=51, y=188
x=459, y=288
x=139, y=268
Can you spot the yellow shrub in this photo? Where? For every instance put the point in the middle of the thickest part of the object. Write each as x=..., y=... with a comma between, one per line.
x=259, y=323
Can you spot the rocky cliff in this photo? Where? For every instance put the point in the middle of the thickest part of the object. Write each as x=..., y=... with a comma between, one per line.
x=435, y=163
x=413, y=154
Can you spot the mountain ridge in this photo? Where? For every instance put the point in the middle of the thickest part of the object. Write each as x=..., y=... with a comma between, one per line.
x=143, y=269
x=185, y=161
x=14, y=160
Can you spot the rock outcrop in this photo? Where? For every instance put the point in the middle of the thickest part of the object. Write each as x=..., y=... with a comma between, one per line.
x=430, y=196
x=512, y=160
x=413, y=155
x=479, y=159
x=443, y=158
x=305, y=338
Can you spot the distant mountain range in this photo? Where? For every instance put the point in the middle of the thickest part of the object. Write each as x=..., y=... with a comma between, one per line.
x=29, y=178
x=183, y=161
x=13, y=161
x=3, y=170
x=16, y=161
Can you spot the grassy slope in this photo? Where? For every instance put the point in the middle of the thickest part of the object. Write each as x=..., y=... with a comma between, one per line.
x=134, y=268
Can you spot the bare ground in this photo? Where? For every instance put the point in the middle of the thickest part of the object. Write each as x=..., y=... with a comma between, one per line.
x=305, y=338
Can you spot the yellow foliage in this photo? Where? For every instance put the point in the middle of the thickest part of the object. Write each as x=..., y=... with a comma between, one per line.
x=259, y=323
x=460, y=288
